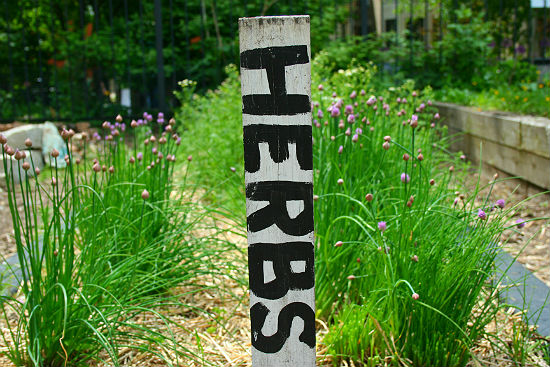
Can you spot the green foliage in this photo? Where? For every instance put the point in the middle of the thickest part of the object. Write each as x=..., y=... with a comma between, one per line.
x=87, y=60
x=461, y=67
x=462, y=48
x=507, y=72
x=529, y=98
x=426, y=249
x=455, y=60
x=98, y=252
x=213, y=135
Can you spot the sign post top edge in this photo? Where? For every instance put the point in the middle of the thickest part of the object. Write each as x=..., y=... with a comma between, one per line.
x=275, y=19
x=276, y=31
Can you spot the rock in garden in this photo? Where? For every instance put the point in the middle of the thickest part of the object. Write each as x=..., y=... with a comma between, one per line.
x=52, y=140
x=19, y=173
x=17, y=136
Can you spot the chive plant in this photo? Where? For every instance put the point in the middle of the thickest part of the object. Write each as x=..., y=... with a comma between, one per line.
x=401, y=259
x=401, y=256
x=100, y=243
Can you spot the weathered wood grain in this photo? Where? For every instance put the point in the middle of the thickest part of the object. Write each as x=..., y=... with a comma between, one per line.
x=276, y=90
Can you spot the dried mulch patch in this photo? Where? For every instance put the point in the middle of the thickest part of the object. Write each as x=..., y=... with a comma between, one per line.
x=532, y=242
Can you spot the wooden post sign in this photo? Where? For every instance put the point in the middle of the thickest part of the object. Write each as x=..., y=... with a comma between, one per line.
x=276, y=89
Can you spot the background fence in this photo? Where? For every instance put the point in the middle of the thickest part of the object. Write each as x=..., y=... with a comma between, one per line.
x=74, y=60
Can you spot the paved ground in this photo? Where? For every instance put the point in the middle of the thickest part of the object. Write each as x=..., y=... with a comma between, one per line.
x=526, y=292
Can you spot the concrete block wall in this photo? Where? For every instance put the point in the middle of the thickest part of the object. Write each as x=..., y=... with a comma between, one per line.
x=515, y=144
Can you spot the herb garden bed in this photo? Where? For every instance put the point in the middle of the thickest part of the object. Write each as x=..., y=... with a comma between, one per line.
x=405, y=242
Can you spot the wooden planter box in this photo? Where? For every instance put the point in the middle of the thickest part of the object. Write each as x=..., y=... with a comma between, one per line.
x=515, y=144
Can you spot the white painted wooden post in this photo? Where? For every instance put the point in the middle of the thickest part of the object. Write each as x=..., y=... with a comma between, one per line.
x=276, y=96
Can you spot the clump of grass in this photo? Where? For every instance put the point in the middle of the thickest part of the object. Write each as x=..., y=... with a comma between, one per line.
x=401, y=259
x=99, y=244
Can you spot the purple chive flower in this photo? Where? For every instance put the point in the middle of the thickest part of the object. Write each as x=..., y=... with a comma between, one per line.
x=382, y=226
x=436, y=116
x=414, y=121
x=351, y=119
x=363, y=92
x=404, y=101
x=500, y=203
x=371, y=101
x=334, y=111
x=339, y=103
x=520, y=223
x=334, y=94
x=340, y=181
x=354, y=138
x=405, y=178
x=348, y=110
x=353, y=95
x=359, y=131
x=340, y=149
x=139, y=156
x=320, y=114
x=348, y=132
x=481, y=214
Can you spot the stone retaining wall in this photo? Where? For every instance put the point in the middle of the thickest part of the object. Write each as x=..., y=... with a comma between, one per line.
x=515, y=144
